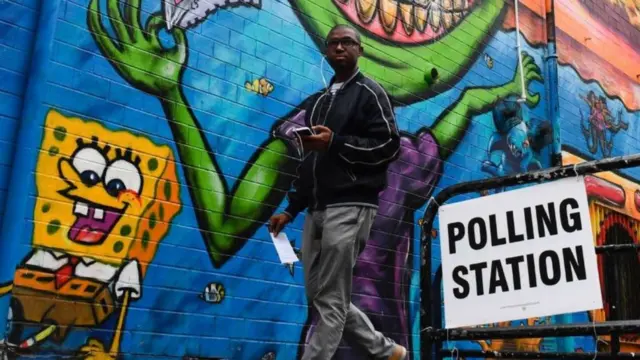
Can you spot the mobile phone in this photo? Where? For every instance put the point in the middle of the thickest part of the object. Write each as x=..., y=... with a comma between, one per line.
x=303, y=131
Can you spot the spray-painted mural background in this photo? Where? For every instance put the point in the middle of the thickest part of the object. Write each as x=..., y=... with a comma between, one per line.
x=143, y=150
x=599, y=116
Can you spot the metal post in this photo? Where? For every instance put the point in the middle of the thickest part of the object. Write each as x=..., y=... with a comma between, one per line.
x=555, y=173
x=615, y=343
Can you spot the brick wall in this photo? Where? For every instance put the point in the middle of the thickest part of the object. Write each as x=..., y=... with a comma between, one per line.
x=183, y=255
x=18, y=24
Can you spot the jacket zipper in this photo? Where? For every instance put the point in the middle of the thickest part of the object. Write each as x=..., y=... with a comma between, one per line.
x=315, y=157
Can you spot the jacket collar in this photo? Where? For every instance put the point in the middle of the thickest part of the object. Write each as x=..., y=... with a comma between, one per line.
x=356, y=75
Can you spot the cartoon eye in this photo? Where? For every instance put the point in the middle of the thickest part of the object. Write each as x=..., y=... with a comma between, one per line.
x=122, y=175
x=90, y=164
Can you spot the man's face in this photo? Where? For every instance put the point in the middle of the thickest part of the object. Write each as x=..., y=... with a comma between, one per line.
x=343, y=49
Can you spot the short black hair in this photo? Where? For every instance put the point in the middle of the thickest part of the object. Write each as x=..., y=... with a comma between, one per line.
x=343, y=27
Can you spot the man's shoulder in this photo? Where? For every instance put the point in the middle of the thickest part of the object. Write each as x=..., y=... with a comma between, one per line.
x=372, y=85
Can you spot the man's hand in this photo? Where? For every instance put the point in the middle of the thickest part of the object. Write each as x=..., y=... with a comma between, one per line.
x=136, y=51
x=278, y=222
x=318, y=142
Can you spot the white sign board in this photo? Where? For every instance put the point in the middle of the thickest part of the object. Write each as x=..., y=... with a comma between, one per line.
x=519, y=254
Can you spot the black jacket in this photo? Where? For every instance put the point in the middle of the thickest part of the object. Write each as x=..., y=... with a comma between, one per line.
x=365, y=140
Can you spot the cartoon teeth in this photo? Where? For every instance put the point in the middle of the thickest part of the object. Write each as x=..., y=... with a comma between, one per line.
x=406, y=12
x=81, y=208
x=366, y=10
x=440, y=15
x=92, y=224
x=435, y=16
x=388, y=14
x=98, y=214
x=421, y=14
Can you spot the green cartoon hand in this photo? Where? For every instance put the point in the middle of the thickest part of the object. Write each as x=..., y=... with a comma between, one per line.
x=451, y=126
x=531, y=73
x=137, y=54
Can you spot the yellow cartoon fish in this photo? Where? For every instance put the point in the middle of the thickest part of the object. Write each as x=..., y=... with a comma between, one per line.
x=260, y=86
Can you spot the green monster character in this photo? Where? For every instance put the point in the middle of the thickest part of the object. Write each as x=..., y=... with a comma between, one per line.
x=439, y=42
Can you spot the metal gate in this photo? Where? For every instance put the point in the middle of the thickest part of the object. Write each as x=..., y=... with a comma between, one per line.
x=614, y=243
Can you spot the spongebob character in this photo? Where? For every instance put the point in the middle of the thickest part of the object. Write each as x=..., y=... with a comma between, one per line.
x=103, y=205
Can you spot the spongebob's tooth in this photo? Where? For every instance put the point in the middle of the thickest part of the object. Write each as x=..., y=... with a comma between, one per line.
x=406, y=12
x=389, y=15
x=366, y=10
x=81, y=208
x=98, y=214
x=435, y=15
x=421, y=13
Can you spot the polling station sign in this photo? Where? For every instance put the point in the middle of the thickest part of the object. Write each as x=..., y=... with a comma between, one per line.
x=519, y=254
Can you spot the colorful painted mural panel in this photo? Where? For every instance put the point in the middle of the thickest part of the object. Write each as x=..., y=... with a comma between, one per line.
x=105, y=201
x=615, y=219
x=168, y=189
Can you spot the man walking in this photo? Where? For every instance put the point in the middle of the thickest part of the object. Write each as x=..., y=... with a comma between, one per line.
x=355, y=138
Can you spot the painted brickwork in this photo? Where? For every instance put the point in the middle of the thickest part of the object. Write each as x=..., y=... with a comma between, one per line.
x=599, y=100
x=147, y=164
x=18, y=26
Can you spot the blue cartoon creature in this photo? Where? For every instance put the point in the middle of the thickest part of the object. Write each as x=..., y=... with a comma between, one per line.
x=516, y=145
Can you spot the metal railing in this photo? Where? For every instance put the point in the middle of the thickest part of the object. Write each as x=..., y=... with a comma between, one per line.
x=430, y=299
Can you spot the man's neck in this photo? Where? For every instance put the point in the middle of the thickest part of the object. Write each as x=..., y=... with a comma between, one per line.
x=343, y=76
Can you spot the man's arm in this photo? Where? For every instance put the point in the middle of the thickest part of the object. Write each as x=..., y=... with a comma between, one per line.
x=298, y=201
x=381, y=141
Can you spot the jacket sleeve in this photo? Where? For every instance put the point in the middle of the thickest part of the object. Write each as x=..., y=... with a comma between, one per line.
x=300, y=191
x=298, y=201
x=379, y=142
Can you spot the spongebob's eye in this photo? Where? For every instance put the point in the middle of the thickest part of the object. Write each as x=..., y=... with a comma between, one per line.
x=90, y=164
x=122, y=175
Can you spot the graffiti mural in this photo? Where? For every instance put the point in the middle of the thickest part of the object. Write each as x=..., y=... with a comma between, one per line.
x=379, y=267
x=614, y=206
x=632, y=8
x=222, y=84
x=600, y=126
x=598, y=118
x=104, y=204
x=516, y=146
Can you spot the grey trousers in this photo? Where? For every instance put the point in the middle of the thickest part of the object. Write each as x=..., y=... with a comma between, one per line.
x=331, y=242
